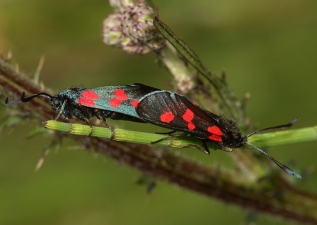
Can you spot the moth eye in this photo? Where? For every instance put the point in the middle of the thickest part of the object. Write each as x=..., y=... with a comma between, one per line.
x=56, y=102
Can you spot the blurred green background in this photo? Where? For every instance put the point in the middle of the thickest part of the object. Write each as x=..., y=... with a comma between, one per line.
x=268, y=48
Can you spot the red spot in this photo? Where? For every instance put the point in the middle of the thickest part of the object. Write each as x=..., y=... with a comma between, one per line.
x=215, y=138
x=90, y=94
x=191, y=126
x=188, y=115
x=167, y=117
x=86, y=102
x=114, y=102
x=120, y=95
x=216, y=133
x=215, y=130
x=134, y=103
x=88, y=98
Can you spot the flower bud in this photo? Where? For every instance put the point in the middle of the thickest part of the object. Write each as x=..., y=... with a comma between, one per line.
x=132, y=29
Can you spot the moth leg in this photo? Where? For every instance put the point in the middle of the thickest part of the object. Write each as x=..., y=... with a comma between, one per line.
x=203, y=149
x=226, y=149
x=206, y=150
x=103, y=119
x=168, y=137
x=88, y=122
x=85, y=118
x=223, y=148
x=61, y=111
x=167, y=133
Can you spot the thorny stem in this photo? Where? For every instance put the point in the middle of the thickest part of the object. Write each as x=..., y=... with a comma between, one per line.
x=210, y=181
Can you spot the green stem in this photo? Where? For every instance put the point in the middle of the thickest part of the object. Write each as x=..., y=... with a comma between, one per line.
x=126, y=135
x=260, y=140
x=284, y=137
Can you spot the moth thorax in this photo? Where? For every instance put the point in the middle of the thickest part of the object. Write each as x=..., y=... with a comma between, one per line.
x=232, y=134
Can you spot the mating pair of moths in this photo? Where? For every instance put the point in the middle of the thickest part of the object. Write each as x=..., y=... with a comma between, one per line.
x=145, y=104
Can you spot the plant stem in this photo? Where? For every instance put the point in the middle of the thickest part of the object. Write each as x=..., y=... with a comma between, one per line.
x=262, y=140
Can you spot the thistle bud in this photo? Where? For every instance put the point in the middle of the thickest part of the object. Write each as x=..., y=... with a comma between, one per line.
x=112, y=33
x=132, y=29
x=119, y=4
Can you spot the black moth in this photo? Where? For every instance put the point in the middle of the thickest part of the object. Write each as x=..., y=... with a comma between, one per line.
x=174, y=111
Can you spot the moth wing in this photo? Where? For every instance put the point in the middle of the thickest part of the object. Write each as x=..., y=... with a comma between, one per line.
x=120, y=99
x=174, y=111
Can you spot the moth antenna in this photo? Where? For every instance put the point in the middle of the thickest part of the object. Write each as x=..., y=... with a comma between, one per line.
x=276, y=127
x=6, y=101
x=29, y=98
x=283, y=167
x=26, y=99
